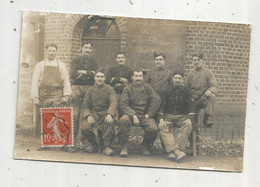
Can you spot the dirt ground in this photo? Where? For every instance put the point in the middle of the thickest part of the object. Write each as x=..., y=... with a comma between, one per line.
x=26, y=148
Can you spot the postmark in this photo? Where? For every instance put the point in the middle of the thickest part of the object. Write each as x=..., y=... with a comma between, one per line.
x=56, y=127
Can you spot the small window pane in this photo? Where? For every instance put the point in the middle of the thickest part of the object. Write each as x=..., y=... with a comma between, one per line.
x=101, y=28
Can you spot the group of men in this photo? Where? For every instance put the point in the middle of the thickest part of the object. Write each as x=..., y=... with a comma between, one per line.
x=159, y=102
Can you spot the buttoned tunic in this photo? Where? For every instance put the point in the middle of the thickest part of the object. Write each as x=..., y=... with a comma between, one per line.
x=159, y=79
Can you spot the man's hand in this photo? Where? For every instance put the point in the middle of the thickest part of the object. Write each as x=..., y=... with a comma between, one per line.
x=36, y=101
x=124, y=80
x=82, y=72
x=146, y=116
x=191, y=116
x=91, y=120
x=65, y=99
x=208, y=93
x=136, y=120
x=162, y=124
x=109, y=119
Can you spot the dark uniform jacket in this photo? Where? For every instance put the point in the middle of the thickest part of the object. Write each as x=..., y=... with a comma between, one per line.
x=115, y=73
x=83, y=63
x=176, y=101
x=99, y=101
x=139, y=100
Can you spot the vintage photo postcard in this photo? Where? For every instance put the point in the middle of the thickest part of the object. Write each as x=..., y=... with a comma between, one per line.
x=132, y=91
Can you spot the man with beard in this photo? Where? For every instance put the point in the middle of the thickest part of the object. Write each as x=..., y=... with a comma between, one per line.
x=82, y=72
x=175, y=113
x=203, y=87
x=139, y=105
x=98, y=112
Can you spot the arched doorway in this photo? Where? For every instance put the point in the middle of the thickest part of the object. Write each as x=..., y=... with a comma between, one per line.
x=104, y=34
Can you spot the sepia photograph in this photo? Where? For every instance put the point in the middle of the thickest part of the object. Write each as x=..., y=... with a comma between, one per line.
x=128, y=91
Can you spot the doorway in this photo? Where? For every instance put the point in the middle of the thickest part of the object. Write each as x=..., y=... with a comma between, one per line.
x=104, y=34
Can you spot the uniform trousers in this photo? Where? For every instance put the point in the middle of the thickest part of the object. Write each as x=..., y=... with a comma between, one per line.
x=149, y=126
x=78, y=94
x=91, y=131
x=177, y=131
x=206, y=103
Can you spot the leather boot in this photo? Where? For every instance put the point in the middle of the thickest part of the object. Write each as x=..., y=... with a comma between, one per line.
x=171, y=156
x=124, y=151
x=179, y=154
x=206, y=121
x=70, y=149
x=146, y=151
x=108, y=151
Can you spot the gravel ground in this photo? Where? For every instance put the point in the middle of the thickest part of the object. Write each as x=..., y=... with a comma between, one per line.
x=220, y=155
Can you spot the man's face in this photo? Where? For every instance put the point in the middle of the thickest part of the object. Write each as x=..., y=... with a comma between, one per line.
x=159, y=61
x=137, y=77
x=197, y=62
x=51, y=53
x=120, y=59
x=177, y=80
x=100, y=78
x=86, y=49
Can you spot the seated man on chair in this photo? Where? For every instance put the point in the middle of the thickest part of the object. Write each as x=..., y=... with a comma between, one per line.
x=98, y=110
x=139, y=104
x=175, y=113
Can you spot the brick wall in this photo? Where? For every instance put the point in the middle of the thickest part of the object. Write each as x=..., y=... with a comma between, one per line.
x=226, y=49
x=58, y=29
x=65, y=30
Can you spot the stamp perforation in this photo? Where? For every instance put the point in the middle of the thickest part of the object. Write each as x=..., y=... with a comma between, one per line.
x=70, y=141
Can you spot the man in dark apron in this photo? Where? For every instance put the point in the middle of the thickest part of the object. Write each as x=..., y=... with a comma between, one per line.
x=50, y=83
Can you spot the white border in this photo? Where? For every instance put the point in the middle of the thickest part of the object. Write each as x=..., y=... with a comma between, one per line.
x=36, y=173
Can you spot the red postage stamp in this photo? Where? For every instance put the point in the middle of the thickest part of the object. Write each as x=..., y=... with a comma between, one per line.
x=57, y=127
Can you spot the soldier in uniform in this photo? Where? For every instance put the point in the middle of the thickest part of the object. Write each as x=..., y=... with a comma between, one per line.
x=160, y=77
x=120, y=75
x=175, y=113
x=139, y=105
x=82, y=72
x=98, y=112
x=203, y=87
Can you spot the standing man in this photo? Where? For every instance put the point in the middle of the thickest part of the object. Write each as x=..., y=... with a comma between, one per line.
x=175, y=112
x=160, y=77
x=98, y=111
x=120, y=75
x=82, y=72
x=139, y=105
x=203, y=87
x=50, y=82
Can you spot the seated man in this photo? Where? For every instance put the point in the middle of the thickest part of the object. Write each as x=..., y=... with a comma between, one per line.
x=98, y=109
x=175, y=111
x=139, y=104
x=203, y=85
